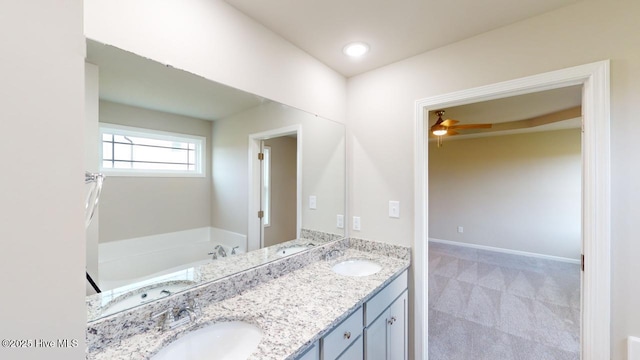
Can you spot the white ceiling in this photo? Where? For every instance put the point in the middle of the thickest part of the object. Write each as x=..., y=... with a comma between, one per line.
x=130, y=79
x=394, y=29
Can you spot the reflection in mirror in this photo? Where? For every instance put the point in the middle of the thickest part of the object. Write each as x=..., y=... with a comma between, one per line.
x=186, y=198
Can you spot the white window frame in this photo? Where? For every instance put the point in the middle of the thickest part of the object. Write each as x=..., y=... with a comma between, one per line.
x=199, y=141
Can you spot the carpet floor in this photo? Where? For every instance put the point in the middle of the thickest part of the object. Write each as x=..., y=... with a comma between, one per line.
x=491, y=305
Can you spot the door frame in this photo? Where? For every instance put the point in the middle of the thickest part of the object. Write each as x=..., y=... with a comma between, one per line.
x=596, y=202
x=254, y=229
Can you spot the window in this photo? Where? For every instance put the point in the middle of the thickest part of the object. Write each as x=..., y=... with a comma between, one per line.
x=129, y=151
x=266, y=185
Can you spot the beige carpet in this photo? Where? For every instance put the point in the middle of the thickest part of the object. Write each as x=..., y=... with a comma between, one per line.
x=490, y=305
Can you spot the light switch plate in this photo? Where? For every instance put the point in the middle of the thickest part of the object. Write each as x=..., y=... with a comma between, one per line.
x=312, y=202
x=340, y=221
x=356, y=223
x=394, y=209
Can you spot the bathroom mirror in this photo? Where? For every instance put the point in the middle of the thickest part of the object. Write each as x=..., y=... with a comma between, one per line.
x=226, y=208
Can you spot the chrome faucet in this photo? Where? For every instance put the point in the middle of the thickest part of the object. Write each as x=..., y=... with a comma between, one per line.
x=333, y=253
x=218, y=250
x=174, y=317
x=233, y=250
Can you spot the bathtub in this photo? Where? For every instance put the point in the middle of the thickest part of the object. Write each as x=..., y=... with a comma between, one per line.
x=137, y=260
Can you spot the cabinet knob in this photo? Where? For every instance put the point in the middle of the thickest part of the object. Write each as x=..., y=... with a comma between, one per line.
x=347, y=335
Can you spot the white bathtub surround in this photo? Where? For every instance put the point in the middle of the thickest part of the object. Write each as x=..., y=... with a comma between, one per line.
x=135, y=260
x=263, y=296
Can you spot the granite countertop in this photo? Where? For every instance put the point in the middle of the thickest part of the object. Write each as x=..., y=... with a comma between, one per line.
x=293, y=310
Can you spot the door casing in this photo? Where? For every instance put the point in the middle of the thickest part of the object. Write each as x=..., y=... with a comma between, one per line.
x=596, y=202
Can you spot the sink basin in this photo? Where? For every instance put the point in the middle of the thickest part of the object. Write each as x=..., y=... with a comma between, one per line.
x=356, y=267
x=234, y=340
x=291, y=250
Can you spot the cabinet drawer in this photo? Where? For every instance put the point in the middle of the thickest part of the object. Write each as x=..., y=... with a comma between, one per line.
x=342, y=336
x=379, y=302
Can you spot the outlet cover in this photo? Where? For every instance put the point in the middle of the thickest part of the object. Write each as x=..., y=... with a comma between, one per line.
x=340, y=221
x=356, y=223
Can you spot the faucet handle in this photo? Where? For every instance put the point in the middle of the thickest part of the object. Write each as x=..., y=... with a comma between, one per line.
x=193, y=304
x=233, y=250
x=163, y=318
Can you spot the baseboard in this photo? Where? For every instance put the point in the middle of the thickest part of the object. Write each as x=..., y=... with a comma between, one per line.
x=507, y=251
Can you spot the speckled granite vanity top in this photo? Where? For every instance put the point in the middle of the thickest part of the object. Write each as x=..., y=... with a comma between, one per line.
x=293, y=310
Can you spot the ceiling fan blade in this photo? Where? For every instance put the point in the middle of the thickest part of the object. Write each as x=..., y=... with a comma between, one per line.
x=570, y=113
x=450, y=122
x=471, y=126
x=452, y=132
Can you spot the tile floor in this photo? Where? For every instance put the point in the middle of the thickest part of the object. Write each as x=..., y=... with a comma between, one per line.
x=490, y=305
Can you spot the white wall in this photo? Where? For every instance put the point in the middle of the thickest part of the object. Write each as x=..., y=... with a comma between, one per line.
x=381, y=122
x=322, y=165
x=517, y=192
x=212, y=39
x=42, y=235
x=136, y=206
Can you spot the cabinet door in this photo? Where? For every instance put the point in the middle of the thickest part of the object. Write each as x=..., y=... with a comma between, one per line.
x=354, y=352
x=312, y=354
x=375, y=341
x=397, y=330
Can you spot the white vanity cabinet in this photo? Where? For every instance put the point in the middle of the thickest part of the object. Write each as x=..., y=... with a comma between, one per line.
x=386, y=330
x=377, y=330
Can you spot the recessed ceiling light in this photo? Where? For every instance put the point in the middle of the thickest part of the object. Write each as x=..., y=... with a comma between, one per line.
x=356, y=49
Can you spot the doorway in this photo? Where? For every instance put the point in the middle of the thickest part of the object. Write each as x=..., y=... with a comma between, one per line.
x=505, y=229
x=595, y=212
x=275, y=186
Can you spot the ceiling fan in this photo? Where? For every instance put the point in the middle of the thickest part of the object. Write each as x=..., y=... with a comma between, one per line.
x=449, y=127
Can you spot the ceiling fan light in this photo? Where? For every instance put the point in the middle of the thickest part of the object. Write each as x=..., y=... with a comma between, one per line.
x=438, y=130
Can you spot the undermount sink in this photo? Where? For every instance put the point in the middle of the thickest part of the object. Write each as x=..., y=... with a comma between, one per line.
x=234, y=340
x=356, y=267
x=291, y=250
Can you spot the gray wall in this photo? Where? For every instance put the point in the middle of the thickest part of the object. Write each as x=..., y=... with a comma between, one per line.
x=283, y=191
x=140, y=206
x=517, y=192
